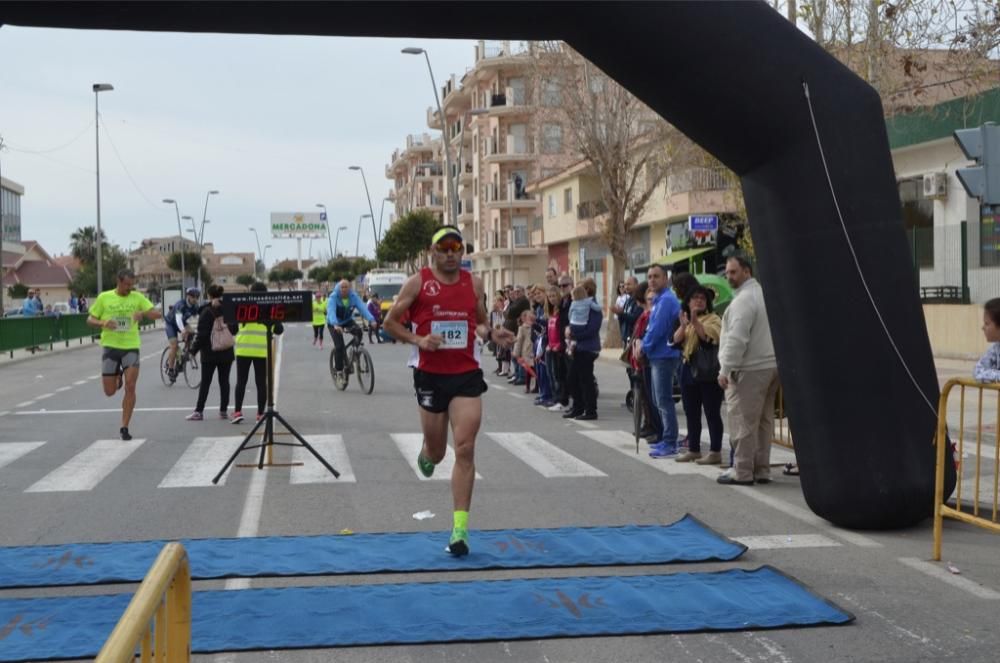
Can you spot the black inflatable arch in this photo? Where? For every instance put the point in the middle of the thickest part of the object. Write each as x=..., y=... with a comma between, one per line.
x=730, y=75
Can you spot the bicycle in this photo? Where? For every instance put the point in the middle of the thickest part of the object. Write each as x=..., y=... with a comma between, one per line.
x=356, y=360
x=185, y=360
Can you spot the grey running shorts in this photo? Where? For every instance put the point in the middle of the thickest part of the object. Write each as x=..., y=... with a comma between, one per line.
x=115, y=361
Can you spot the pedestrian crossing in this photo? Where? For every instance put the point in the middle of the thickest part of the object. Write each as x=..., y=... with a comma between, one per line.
x=196, y=464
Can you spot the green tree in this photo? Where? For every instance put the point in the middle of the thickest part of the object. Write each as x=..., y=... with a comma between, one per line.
x=17, y=291
x=319, y=274
x=83, y=244
x=342, y=268
x=113, y=259
x=408, y=238
x=246, y=280
x=192, y=261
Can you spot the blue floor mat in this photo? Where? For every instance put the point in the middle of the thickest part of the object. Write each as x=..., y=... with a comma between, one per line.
x=687, y=540
x=300, y=617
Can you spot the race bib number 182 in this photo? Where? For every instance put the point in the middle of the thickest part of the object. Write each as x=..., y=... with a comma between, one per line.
x=455, y=333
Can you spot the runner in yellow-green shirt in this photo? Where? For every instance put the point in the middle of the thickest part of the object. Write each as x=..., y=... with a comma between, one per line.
x=319, y=318
x=118, y=312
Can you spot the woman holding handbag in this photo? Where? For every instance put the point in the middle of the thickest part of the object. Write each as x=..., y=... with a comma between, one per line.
x=698, y=334
x=215, y=341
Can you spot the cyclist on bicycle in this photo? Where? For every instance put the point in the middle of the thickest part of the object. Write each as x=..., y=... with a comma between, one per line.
x=340, y=317
x=176, y=324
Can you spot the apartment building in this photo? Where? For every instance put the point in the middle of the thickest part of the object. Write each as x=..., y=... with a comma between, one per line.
x=149, y=261
x=418, y=176
x=498, y=146
x=574, y=216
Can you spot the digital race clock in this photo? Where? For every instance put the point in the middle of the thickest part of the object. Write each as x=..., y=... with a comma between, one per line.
x=267, y=308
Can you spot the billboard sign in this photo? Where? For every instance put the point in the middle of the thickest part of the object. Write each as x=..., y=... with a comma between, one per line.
x=298, y=225
x=703, y=222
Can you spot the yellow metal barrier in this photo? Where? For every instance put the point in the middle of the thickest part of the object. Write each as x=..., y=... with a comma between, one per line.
x=158, y=619
x=782, y=435
x=942, y=510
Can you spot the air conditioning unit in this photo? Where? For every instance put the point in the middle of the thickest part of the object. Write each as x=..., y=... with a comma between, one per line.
x=936, y=185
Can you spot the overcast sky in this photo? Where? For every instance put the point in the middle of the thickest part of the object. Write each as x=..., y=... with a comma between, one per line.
x=271, y=122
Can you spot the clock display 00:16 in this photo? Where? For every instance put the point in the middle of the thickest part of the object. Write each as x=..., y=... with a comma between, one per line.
x=260, y=312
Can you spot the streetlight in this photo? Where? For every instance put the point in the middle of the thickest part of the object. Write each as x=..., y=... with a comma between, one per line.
x=381, y=213
x=194, y=231
x=327, y=215
x=255, y=271
x=371, y=212
x=180, y=233
x=453, y=194
x=263, y=257
x=337, y=241
x=201, y=236
x=357, y=241
x=99, y=87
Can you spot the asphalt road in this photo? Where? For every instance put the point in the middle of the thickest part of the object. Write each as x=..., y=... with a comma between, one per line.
x=73, y=488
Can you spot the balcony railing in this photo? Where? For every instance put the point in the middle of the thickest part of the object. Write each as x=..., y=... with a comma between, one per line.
x=698, y=179
x=588, y=209
x=513, y=146
x=500, y=49
x=499, y=194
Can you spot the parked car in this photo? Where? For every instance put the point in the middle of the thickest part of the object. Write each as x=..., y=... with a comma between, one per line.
x=13, y=312
x=61, y=308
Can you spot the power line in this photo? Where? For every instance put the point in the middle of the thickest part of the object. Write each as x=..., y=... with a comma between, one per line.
x=55, y=149
x=125, y=168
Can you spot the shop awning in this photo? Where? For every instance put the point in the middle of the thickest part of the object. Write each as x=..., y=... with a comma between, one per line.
x=676, y=257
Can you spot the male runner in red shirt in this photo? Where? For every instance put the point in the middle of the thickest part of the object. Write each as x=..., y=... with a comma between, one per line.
x=447, y=307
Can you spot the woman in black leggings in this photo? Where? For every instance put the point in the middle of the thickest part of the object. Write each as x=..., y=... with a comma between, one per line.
x=213, y=360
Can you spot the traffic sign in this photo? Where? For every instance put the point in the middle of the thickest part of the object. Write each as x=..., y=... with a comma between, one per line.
x=982, y=145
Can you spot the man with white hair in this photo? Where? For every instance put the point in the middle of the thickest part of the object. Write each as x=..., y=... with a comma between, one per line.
x=340, y=317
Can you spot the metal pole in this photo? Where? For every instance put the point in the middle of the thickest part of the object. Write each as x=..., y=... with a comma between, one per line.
x=452, y=193
x=965, y=261
x=180, y=233
x=329, y=240
x=510, y=217
x=257, y=237
x=3, y=227
x=370, y=210
x=97, y=152
x=357, y=240
x=337, y=242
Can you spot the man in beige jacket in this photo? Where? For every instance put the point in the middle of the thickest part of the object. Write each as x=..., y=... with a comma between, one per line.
x=748, y=372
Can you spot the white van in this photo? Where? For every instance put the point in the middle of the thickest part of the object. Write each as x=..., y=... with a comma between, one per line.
x=386, y=283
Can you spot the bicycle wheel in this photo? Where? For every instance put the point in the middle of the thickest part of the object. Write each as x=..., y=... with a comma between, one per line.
x=164, y=367
x=339, y=379
x=192, y=371
x=366, y=370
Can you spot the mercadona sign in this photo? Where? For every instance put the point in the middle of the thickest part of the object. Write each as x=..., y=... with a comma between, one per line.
x=298, y=225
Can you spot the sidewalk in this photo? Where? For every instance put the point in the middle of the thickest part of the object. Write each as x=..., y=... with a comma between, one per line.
x=60, y=347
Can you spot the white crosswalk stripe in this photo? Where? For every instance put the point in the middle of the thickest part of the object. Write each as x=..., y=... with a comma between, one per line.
x=545, y=458
x=330, y=447
x=11, y=451
x=88, y=468
x=201, y=461
x=409, y=445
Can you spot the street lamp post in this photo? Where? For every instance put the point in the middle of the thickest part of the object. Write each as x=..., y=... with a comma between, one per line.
x=357, y=241
x=99, y=87
x=263, y=258
x=381, y=213
x=201, y=236
x=337, y=241
x=371, y=212
x=453, y=193
x=194, y=231
x=180, y=233
x=255, y=271
x=329, y=240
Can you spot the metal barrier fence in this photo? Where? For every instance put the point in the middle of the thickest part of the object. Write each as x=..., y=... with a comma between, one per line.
x=782, y=435
x=969, y=513
x=46, y=331
x=158, y=619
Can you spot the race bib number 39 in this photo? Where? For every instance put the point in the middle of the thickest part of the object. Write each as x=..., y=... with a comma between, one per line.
x=454, y=333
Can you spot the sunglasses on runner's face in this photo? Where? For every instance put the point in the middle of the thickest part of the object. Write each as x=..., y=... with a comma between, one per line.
x=449, y=245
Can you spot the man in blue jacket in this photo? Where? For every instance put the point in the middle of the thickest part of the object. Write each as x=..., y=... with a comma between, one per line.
x=340, y=316
x=663, y=358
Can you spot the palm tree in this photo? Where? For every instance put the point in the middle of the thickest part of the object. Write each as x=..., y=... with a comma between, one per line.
x=83, y=244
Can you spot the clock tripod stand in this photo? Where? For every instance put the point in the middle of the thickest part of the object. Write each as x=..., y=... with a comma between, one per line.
x=268, y=422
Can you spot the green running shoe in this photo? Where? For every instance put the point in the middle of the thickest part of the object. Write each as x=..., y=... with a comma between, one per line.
x=425, y=465
x=459, y=544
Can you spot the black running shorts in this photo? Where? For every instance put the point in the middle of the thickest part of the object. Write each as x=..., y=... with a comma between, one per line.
x=435, y=390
